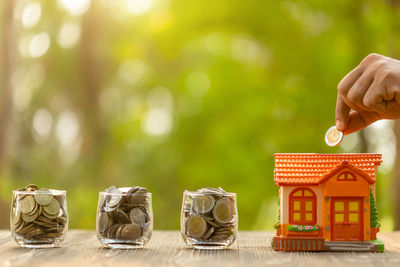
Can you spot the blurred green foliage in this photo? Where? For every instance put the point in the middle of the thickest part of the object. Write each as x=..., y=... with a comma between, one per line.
x=184, y=95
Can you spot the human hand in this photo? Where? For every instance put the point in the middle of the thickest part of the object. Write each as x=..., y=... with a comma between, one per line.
x=370, y=92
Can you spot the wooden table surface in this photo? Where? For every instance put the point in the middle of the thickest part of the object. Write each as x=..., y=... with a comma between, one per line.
x=166, y=248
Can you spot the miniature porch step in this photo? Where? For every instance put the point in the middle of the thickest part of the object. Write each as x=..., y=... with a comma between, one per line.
x=298, y=243
x=361, y=246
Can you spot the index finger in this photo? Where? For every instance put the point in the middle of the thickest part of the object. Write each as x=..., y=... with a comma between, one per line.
x=348, y=81
x=342, y=113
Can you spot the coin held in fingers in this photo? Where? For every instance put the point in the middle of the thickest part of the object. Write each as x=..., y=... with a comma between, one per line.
x=333, y=137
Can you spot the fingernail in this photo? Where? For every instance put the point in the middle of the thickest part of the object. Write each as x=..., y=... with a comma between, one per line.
x=339, y=125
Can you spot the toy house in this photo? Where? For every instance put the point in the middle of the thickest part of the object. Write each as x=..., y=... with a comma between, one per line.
x=327, y=202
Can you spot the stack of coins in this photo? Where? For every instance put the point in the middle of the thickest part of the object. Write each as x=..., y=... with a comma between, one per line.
x=38, y=213
x=124, y=213
x=210, y=215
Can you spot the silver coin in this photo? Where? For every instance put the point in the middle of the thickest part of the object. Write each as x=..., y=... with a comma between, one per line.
x=115, y=198
x=333, y=137
x=138, y=216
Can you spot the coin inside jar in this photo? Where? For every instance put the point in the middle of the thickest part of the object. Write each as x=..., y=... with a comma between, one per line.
x=209, y=215
x=197, y=226
x=131, y=232
x=223, y=211
x=124, y=214
x=103, y=222
x=333, y=137
x=204, y=203
x=52, y=208
x=38, y=214
x=27, y=204
x=43, y=196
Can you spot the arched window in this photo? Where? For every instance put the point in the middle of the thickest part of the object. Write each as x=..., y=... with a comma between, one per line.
x=346, y=176
x=302, y=207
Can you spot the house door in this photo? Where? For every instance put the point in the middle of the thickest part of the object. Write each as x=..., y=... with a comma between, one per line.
x=347, y=219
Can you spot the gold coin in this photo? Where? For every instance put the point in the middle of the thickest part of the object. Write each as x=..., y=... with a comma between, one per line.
x=49, y=216
x=333, y=137
x=26, y=228
x=209, y=233
x=53, y=208
x=44, y=224
x=43, y=196
x=34, y=210
x=212, y=222
x=34, y=233
x=223, y=210
x=29, y=218
x=196, y=226
x=50, y=235
x=27, y=204
x=19, y=226
x=32, y=186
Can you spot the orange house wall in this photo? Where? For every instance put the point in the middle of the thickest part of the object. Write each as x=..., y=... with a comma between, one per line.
x=334, y=188
x=358, y=188
x=324, y=193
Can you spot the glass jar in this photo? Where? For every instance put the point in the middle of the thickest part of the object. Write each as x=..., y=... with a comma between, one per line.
x=209, y=218
x=39, y=217
x=124, y=217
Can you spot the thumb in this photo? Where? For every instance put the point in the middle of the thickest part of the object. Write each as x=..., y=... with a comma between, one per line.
x=359, y=120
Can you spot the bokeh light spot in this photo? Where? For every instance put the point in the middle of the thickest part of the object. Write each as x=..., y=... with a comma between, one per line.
x=67, y=128
x=247, y=50
x=75, y=7
x=42, y=123
x=69, y=34
x=132, y=72
x=158, y=121
x=138, y=7
x=31, y=14
x=160, y=97
x=39, y=44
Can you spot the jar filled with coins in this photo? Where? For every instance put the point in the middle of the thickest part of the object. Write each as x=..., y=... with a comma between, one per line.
x=124, y=217
x=209, y=218
x=39, y=217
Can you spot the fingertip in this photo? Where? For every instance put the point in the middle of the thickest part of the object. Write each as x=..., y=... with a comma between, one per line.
x=339, y=125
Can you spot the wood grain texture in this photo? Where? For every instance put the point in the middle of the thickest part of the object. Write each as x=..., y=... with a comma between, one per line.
x=166, y=248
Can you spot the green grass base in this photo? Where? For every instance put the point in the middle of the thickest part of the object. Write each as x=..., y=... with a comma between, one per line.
x=381, y=245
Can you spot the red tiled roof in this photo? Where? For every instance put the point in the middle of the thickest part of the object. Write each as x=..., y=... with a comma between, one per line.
x=309, y=168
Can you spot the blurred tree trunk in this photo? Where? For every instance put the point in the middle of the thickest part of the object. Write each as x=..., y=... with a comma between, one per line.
x=7, y=59
x=90, y=67
x=394, y=52
x=6, y=104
